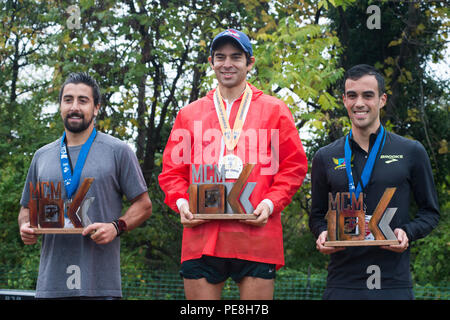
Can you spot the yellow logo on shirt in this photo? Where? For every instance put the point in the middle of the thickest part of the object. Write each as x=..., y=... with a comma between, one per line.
x=340, y=162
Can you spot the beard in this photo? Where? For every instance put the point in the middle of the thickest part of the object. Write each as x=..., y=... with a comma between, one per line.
x=78, y=127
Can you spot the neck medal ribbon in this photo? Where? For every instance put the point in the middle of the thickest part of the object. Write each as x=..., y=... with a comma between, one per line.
x=232, y=164
x=367, y=171
x=71, y=181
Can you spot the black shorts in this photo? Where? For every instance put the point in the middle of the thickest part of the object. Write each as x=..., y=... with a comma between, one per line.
x=217, y=270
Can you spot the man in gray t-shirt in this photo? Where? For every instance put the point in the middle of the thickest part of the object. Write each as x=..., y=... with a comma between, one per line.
x=86, y=265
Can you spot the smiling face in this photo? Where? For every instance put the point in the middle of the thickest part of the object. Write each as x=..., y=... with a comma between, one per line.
x=363, y=103
x=230, y=65
x=77, y=107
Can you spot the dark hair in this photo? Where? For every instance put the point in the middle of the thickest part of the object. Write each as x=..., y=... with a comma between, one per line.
x=361, y=70
x=221, y=42
x=82, y=77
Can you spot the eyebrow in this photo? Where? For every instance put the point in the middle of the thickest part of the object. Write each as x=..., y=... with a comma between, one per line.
x=71, y=96
x=233, y=54
x=364, y=92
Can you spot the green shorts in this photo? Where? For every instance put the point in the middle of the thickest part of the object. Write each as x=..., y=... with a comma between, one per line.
x=217, y=270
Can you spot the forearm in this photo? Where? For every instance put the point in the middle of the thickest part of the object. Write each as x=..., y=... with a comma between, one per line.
x=286, y=150
x=139, y=211
x=319, y=196
x=174, y=183
x=317, y=223
x=24, y=216
x=26, y=233
x=289, y=178
x=425, y=195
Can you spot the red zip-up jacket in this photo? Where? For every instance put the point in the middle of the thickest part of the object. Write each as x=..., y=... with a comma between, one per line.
x=271, y=140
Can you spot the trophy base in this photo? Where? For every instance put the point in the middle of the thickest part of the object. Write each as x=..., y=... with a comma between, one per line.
x=358, y=243
x=58, y=230
x=225, y=216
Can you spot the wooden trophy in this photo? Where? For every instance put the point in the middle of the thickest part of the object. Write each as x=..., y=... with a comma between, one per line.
x=346, y=221
x=47, y=208
x=211, y=200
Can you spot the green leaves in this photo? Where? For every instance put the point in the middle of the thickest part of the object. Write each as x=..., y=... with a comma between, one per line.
x=298, y=62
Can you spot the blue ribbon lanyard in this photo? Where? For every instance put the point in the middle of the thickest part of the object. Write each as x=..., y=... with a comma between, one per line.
x=71, y=181
x=367, y=171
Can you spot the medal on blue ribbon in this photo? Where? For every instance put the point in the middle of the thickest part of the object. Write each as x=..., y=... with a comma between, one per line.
x=72, y=180
x=368, y=168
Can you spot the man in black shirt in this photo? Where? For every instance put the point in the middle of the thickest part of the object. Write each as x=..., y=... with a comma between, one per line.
x=372, y=272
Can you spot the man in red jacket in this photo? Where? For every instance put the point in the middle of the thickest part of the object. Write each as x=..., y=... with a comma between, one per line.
x=233, y=124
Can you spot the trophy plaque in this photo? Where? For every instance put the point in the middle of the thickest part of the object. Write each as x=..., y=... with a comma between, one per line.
x=47, y=209
x=213, y=198
x=346, y=221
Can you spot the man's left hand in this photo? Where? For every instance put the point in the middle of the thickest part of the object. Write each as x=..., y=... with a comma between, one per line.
x=101, y=233
x=262, y=212
x=402, y=238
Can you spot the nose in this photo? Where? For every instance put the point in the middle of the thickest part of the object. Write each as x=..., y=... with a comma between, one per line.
x=359, y=102
x=227, y=62
x=75, y=106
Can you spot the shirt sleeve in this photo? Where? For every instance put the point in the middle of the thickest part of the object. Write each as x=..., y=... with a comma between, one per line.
x=424, y=192
x=31, y=177
x=319, y=190
x=132, y=182
x=293, y=163
x=174, y=178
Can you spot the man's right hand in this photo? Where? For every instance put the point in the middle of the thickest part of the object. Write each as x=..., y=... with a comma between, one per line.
x=187, y=218
x=321, y=247
x=27, y=234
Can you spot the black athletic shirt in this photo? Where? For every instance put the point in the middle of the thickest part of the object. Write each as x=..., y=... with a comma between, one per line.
x=402, y=163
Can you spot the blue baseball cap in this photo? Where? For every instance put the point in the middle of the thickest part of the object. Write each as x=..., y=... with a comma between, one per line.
x=238, y=36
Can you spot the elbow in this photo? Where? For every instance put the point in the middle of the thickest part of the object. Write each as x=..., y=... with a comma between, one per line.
x=148, y=209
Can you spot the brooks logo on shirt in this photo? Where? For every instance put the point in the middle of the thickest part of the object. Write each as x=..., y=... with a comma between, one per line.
x=389, y=158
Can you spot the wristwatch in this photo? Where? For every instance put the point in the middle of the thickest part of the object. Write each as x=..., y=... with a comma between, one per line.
x=120, y=225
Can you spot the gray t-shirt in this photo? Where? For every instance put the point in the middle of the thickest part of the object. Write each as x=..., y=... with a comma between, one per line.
x=74, y=265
